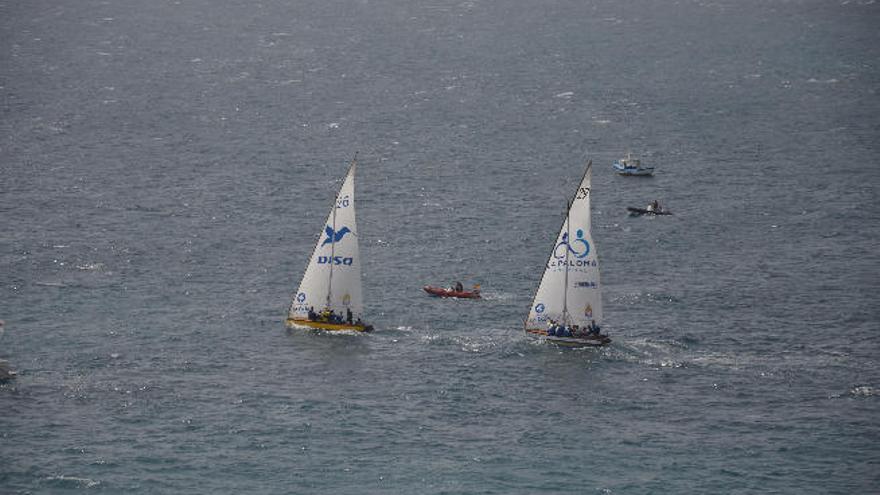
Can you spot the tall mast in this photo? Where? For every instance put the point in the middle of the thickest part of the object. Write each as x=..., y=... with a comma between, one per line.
x=567, y=249
x=333, y=237
x=568, y=239
x=332, y=253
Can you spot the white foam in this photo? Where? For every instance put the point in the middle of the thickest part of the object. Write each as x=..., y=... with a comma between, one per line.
x=822, y=81
x=497, y=296
x=90, y=266
x=50, y=284
x=84, y=482
x=863, y=391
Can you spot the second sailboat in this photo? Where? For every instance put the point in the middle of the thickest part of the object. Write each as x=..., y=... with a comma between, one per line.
x=329, y=296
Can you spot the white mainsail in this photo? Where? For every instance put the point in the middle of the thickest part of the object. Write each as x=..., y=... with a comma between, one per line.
x=333, y=276
x=570, y=292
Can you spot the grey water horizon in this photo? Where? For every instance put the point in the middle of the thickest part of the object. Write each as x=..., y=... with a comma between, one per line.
x=166, y=168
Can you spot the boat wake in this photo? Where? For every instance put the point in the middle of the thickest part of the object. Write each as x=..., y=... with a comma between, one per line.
x=74, y=481
x=483, y=342
x=684, y=353
x=327, y=333
x=464, y=343
x=498, y=296
x=651, y=353
x=638, y=298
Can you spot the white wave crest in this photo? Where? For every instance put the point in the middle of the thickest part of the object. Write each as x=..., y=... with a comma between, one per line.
x=83, y=482
x=863, y=391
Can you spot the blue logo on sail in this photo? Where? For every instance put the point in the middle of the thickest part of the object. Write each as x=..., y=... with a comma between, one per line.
x=335, y=260
x=539, y=308
x=579, y=247
x=334, y=236
x=301, y=297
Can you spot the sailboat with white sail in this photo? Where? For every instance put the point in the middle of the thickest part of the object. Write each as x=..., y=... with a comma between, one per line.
x=329, y=296
x=567, y=308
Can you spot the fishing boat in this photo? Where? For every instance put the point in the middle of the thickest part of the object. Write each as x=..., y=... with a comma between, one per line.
x=460, y=294
x=332, y=281
x=569, y=299
x=630, y=165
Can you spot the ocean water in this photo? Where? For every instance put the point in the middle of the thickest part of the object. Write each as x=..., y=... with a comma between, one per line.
x=165, y=168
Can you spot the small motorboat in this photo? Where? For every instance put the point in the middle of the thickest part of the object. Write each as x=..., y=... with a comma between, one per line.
x=637, y=212
x=461, y=294
x=6, y=372
x=629, y=165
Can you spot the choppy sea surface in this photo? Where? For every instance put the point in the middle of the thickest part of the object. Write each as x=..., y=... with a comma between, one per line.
x=165, y=169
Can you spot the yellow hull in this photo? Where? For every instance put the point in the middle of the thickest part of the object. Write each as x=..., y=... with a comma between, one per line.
x=327, y=326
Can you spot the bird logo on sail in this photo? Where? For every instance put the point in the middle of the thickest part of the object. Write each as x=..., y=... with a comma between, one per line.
x=334, y=236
